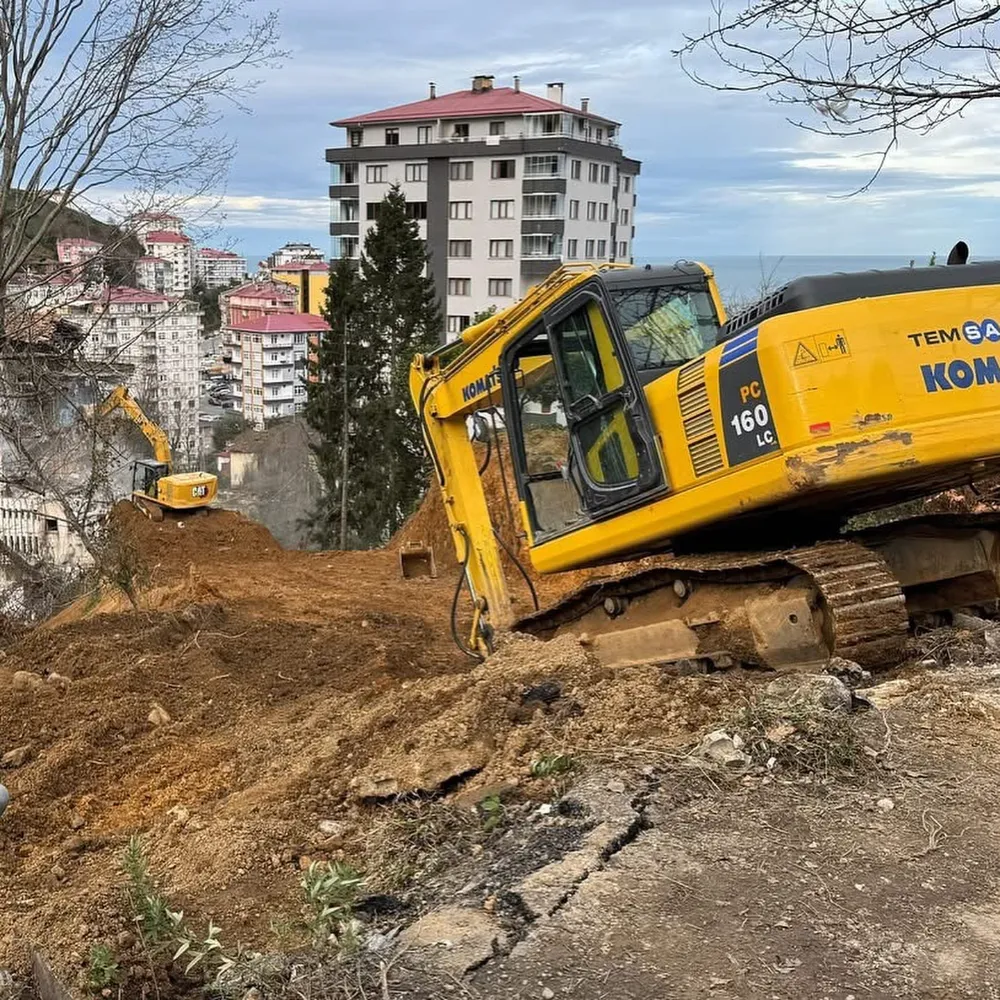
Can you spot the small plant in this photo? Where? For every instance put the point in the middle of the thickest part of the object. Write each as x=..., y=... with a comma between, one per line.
x=148, y=904
x=331, y=890
x=206, y=951
x=102, y=969
x=551, y=765
x=493, y=812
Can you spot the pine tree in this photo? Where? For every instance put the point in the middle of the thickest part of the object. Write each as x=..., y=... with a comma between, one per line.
x=371, y=453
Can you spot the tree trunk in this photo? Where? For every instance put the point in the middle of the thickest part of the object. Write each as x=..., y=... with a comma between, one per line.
x=345, y=427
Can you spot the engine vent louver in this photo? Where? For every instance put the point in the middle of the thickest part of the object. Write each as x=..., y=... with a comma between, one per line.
x=696, y=412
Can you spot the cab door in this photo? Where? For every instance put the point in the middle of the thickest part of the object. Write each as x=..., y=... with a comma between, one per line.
x=599, y=422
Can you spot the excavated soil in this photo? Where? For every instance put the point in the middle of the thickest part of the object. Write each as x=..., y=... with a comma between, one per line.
x=253, y=693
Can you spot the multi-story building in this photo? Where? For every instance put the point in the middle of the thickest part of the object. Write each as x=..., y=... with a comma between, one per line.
x=176, y=249
x=295, y=251
x=154, y=338
x=253, y=300
x=146, y=222
x=269, y=364
x=309, y=278
x=76, y=251
x=219, y=268
x=154, y=274
x=505, y=186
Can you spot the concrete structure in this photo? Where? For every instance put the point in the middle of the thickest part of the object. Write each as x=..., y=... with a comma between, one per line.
x=176, y=249
x=505, y=186
x=295, y=251
x=219, y=268
x=269, y=364
x=76, y=251
x=309, y=279
x=35, y=528
x=146, y=222
x=154, y=274
x=157, y=337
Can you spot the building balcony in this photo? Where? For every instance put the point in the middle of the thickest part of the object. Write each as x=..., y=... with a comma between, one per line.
x=272, y=377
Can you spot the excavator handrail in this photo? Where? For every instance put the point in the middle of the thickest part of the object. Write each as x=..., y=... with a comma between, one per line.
x=121, y=399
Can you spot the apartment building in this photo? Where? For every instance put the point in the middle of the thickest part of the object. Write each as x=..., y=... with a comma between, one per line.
x=154, y=338
x=176, y=249
x=505, y=186
x=76, y=251
x=309, y=278
x=270, y=364
x=154, y=274
x=219, y=268
x=147, y=222
x=295, y=251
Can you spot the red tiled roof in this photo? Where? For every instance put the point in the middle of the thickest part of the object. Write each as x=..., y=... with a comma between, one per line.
x=166, y=237
x=469, y=104
x=121, y=294
x=218, y=254
x=77, y=241
x=283, y=323
x=262, y=290
x=302, y=265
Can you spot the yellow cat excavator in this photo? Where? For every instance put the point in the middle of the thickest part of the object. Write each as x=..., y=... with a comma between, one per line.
x=155, y=487
x=721, y=462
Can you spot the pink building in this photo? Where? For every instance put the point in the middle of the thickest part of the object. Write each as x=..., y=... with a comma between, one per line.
x=176, y=249
x=76, y=250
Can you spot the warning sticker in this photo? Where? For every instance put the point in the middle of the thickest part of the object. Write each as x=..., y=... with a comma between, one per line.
x=805, y=351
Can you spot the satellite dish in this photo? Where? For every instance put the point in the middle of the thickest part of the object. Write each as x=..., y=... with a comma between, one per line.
x=959, y=253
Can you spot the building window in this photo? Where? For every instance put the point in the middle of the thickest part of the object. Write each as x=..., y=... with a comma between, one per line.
x=459, y=286
x=540, y=206
x=626, y=182
x=624, y=216
x=459, y=209
x=377, y=174
x=599, y=134
x=392, y=136
x=501, y=288
x=542, y=166
x=592, y=173
x=416, y=210
x=456, y=324
x=574, y=209
x=591, y=210
x=354, y=136
x=416, y=172
x=622, y=251
x=501, y=249
x=571, y=249
x=502, y=209
x=460, y=248
x=574, y=170
x=423, y=135
x=605, y=174
x=588, y=250
x=460, y=170
x=349, y=246
x=541, y=245
x=604, y=211
x=502, y=169
x=497, y=128
x=372, y=208
x=348, y=173
x=602, y=249
x=460, y=131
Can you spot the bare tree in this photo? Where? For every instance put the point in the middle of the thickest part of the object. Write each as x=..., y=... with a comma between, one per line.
x=854, y=67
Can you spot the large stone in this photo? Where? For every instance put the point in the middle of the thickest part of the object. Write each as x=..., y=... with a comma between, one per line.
x=453, y=939
x=433, y=772
x=17, y=757
x=720, y=748
x=25, y=680
x=816, y=690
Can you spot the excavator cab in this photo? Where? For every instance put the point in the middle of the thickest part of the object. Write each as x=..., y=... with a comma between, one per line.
x=146, y=475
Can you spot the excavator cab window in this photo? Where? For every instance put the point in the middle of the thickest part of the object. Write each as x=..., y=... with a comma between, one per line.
x=579, y=429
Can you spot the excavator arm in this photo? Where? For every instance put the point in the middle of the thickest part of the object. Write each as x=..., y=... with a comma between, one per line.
x=121, y=399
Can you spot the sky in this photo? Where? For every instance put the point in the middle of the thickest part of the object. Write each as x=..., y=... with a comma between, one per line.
x=722, y=174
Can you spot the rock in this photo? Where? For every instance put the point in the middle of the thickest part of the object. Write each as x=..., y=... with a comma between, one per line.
x=819, y=690
x=780, y=732
x=432, y=772
x=180, y=815
x=25, y=680
x=58, y=681
x=886, y=805
x=77, y=823
x=992, y=639
x=453, y=939
x=616, y=785
x=547, y=994
x=971, y=623
x=158, y=715
x=74, y=845
x=59, y=872
x=4, y=799
x=847, y=669
x=125, y=940
x=546, y=691
x=719, y=748
x=882, y=695
x=331, y=828
x=17, y=757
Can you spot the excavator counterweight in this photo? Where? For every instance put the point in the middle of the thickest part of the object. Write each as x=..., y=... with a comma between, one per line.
x=725, y=463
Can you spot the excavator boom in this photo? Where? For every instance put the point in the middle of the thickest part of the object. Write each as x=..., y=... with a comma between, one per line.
x=121, y=399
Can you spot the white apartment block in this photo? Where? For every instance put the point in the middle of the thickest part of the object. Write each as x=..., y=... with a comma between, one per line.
x=219, y=268
x=154, y=274
x=291, y=252
x=505, y=186
x=146, y=222
x=270, y=363
x=156, y=337
x=176, y=249
x=76, y=250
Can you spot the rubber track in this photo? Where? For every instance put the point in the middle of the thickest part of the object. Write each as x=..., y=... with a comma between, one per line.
x=865, y=605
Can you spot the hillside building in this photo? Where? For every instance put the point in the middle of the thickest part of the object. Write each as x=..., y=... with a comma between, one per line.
x=295, y=251
x=218, y=268
x=505, y=186
x=176, y=249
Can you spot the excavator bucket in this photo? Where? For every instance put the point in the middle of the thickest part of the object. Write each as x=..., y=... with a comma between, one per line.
x=417, y=560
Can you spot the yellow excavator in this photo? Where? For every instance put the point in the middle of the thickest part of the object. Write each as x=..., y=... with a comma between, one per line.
x=722, y=462
x=156, y=489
